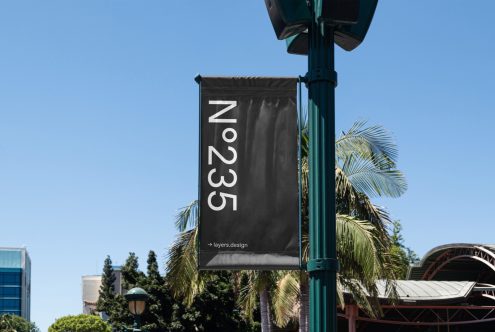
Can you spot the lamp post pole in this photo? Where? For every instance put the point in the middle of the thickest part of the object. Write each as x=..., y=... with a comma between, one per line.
x=137, y=323
x=322, y=265
x=350, y=19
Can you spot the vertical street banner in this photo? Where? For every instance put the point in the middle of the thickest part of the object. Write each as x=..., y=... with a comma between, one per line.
x=249, y=205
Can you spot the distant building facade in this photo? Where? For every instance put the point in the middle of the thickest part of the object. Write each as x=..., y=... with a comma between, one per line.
x=91, y=287
x=15, y=282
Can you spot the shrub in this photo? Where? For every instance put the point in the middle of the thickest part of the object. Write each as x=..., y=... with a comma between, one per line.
x=13, y=323
x=80, y=323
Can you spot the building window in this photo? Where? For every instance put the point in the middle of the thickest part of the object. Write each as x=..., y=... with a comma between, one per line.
x=10, y=304
x=10, y=278
x=11, y=291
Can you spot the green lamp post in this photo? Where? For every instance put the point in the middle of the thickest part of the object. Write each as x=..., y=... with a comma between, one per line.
x=137, y=298
x=312, y=27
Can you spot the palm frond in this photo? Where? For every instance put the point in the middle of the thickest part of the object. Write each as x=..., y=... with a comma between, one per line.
x=373, y=143
x=369, y=178
x=305, y=138
x=285, y=298
x=253, y=283
x=364, y=257
x=182, y=273
x=365, y=297
x=340, y=292
x=187, y=217
x=357, y=249
x=247, y=301
x=354, y=203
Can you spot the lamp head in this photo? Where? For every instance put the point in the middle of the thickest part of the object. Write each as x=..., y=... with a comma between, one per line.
x=350, y=36
x=137, y=298
x=346, y=36
x=288, y=17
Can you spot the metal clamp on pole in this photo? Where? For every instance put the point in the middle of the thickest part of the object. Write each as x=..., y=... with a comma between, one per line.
x=321, y=75
x=323, y=264
x=197, y=78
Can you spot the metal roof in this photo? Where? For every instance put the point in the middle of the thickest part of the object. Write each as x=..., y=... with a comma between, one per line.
x=456, y=261
x=414, y=291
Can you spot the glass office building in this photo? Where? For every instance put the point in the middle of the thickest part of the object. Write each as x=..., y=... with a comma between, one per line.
x=15, y=282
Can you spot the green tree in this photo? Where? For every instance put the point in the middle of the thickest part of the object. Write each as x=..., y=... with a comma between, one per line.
x=159, y=310
x=112, y=304
x=131, y=275
x=80, y=323
x=14, y=323
x=106, y=298
x=119, y=316
x=403, y=256
x=153, y=272
x=214, y=308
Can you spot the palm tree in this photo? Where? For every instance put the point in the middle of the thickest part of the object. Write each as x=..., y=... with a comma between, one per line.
x=365, y=167
x=257, y=284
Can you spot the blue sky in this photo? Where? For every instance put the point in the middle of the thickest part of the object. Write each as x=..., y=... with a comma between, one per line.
x=98, y=121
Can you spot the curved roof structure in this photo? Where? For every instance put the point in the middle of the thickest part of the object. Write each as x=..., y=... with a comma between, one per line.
x=452, y=286
x=457, y=262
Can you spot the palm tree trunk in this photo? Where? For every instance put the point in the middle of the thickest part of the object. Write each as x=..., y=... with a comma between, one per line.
x=304, y=306
x=266, y=319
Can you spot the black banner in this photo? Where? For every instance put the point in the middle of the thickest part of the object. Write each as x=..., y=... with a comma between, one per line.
x=249, y=207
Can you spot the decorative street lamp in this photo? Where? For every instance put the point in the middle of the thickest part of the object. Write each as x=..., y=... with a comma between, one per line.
x=137, y=298
x=312, y=27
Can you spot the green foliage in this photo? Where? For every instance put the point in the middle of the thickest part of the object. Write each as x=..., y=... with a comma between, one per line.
x=368, y=156
x=254, y=285
x=80, y=323
x=156, y=318
x=286, y=296
x=107, y=289
x=131, y=275
x=214, y=310
x=13, y=323
x=365, y=167
x=153, y=272
x=403, y=256
x=120, y=317
x=113, y=305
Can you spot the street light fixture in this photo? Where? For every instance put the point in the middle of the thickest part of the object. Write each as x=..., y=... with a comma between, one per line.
x=137, y=298
x=347, y=36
